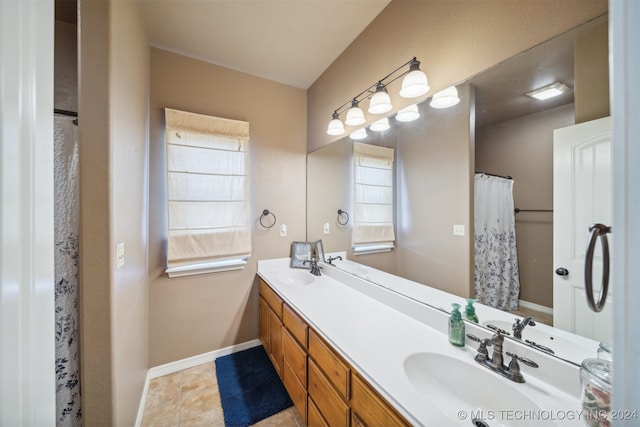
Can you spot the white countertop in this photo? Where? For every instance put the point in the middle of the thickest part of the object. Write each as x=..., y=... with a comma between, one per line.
x=376, y=330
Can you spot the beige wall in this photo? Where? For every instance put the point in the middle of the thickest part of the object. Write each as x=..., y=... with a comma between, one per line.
x=434, y=162
x=113, y=96
x=591, y=60
x=198, y=314
x=454, y=39
x=523, y=149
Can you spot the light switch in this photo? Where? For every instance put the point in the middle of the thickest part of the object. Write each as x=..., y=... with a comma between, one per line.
x=458, y=229
x=283, y=230
x=119, y=255
x=326, y=228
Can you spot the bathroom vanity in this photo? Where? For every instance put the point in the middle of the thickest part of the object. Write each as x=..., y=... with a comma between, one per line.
x=352, y=353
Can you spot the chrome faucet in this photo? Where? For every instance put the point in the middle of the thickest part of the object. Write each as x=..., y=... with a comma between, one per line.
x=496, y=361
x=519, y=326
x=315, y=268
x=333, y=258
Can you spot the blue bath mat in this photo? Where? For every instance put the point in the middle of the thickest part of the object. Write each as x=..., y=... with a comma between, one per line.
x=250, y=389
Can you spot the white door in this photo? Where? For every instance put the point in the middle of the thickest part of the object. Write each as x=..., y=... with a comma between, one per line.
x=582, y=195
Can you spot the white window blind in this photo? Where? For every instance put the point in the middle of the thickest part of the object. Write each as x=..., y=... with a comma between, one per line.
x=207, y=192
x=373, y=198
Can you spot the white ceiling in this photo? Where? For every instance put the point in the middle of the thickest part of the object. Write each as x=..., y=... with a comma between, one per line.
x=288, y=41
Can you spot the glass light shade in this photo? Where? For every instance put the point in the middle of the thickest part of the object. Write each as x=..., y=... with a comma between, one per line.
x=335, y=127
x=380, y=125
x=408, y=114
x=355, y=116
x=359, y=134
x=445, y=98
x=380, y=103
x=414, y=84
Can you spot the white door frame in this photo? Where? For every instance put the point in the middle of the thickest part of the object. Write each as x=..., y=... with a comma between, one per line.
x=27, y=340
x=624, y=39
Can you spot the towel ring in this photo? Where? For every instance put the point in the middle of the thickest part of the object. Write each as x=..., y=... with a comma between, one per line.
x=266, y=212
x=340, y=214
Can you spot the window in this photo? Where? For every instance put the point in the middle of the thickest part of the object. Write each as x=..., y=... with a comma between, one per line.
x=373, y=198
x=207, y=193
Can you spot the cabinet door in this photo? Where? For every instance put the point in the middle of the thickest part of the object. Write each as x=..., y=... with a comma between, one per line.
x=275, y=341
x=369, y=409
x=263, y=324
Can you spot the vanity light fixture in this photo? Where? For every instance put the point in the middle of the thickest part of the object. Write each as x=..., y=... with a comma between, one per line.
x=548, y=91
x=445, y=98
x=380, y=101
x=335, y=126
x=414, y=84
x=355, y=115
x=380, y=125
x=408, y=114
x=359, y=134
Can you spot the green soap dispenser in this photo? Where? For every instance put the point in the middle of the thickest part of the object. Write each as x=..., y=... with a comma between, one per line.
x=470, y=311
x=456, y=327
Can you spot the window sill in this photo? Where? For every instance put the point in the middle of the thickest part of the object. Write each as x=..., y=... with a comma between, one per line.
x=372, y=249
x=208, y=267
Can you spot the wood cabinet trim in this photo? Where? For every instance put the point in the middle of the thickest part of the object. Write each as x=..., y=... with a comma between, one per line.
x=331, y=405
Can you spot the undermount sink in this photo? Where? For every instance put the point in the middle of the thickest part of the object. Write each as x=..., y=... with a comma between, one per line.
x=456, y=387
x=296, y=277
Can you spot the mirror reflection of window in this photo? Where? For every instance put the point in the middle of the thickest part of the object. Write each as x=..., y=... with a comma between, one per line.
x=373, y=198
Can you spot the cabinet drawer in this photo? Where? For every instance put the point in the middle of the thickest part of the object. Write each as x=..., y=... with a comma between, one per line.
x=333, y=409
x=314, y=419
x=295, y=356
x=270, y=297
x=370, y=409
x=297, y=392
x=295, y=325
x=335, y=369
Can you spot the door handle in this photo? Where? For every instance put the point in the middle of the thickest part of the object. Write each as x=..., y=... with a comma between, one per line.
x=597, y=230
x=562, y=271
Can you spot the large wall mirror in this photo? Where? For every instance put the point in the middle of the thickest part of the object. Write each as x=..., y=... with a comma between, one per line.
x=495, y=129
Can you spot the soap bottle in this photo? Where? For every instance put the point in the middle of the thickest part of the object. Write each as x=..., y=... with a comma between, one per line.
x=456, y=327
x=470, y=311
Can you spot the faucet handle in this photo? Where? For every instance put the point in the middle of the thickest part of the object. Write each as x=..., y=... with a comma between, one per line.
x=483, y=353
x=496, y=329
x=515, y=358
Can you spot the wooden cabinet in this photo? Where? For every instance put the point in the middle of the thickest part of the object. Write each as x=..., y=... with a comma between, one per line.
x=270, y=328
x=368, y=408
x=322, y=385
x=295, y=371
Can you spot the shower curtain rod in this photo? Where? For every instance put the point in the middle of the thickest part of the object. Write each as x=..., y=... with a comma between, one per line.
x=499, y=176
x=65, y=112
x=516, y=210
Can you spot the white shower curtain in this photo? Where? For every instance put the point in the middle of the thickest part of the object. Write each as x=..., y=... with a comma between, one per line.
x=497, y=282
x=68, y=409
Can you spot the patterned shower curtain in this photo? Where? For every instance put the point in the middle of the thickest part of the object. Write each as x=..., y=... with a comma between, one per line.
x=68, y=410
x=497, y=282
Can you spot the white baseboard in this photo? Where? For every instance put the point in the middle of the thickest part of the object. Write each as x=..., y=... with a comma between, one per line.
x=536, y=307
x=189, y=362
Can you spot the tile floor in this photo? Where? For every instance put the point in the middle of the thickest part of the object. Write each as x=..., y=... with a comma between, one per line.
x=191, y=398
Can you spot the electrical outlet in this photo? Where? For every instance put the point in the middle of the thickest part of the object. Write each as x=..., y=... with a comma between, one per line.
x=119, y=255
x=283, y=230
x=458, y=229
x=325, y=229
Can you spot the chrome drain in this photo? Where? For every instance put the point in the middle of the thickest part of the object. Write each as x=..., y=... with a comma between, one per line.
x=479, y=423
